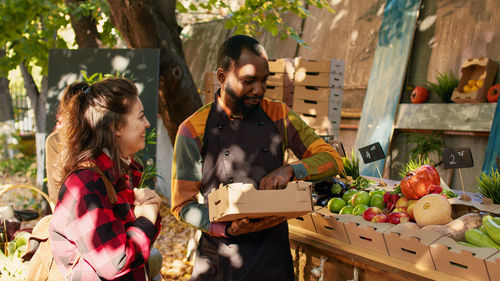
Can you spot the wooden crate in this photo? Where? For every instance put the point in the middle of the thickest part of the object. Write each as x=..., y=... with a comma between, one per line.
x=210, y=86
x=282, y=65
x=280, y=79
x=282, y=94
x=328, y=66
x=319, y=79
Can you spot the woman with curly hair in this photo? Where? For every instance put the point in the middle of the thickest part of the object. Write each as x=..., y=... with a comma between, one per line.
x=99, y=233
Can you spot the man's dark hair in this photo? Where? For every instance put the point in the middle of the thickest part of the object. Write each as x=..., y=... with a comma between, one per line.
x=231, y=49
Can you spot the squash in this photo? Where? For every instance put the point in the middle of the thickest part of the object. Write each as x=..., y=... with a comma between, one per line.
x=432, y=209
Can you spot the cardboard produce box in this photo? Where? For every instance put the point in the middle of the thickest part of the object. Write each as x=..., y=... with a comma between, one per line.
x=283, y=94
x=462, y=207
x=493, y=266
x=368, y=235
x=304, y=222
x=411, y=245
x=331, y=225
x=239, y=200
x=211, y=85
x=462, y=261
x=475, y=69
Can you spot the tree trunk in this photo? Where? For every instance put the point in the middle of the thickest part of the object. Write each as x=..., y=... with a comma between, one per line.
x=86, y=34
x=6, y=112
x=37, y=98
x=152, y=24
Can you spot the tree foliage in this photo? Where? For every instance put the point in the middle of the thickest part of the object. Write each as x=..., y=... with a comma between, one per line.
x=254, y=14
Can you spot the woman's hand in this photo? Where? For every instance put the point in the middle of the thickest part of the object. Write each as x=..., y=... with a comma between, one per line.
x=146, y=196
x=149, y=211
x=244, y=226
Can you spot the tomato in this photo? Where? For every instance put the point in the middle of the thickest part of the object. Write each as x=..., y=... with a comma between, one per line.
x=419, y=94
x=420, y=182
x=493, y=92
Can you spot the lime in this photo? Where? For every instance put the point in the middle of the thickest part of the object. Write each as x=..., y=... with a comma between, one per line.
x=335, y=204
x=361, y=198
x=359, y=209
x=376, y=192
x=377, y=201
x=348, y=194
x=347, y=210
x=336, y=188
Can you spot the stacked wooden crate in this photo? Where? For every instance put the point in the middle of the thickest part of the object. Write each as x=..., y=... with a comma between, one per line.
x=280, y=81
x=318, y=93
x=211, y=85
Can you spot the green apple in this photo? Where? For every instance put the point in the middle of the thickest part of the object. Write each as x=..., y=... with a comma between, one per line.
x=336, y=204
x=377, y=201
x=347, y=210
x=349, y=194
x=361, y=198
x=359, y=209
x=376, y=192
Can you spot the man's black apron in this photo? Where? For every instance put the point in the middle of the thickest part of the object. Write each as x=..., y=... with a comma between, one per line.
x=242, y=151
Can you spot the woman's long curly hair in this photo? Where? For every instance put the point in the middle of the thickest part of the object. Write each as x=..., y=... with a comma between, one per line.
x=89, y=120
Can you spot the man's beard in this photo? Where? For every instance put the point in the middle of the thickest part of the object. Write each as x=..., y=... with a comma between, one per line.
x=239, y=102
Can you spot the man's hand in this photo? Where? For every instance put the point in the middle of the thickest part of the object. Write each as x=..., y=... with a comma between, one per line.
x=277, y=179
x=244, y=226
x=146, y=196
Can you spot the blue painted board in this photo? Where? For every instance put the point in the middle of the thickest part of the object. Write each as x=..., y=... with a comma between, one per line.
x=387, y=78
x=493, y=148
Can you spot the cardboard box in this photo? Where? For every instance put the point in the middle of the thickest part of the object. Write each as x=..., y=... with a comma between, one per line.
x=239, y=200
x=411, y=245
x=368, y=235
x=493, y=266
x=331, y=225
x=475, y=69
x=462, y=261
x=304, y=222
x=327, y=66
x=283, y=65
x=461, y=207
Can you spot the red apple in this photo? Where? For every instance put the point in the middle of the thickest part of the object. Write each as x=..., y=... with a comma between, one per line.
x=380, y=218
x=398, y=217
x=369, y=213
x=400, y=210
x=402, y=203
x=416, y=184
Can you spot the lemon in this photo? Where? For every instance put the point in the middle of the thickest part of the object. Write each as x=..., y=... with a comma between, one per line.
x=479, y=83
x=466, y=89
x=471, y=82
x=473, y=89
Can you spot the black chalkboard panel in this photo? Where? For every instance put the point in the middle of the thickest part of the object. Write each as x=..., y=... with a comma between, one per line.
x=457, y=158
x=498, y=163
x=372, y=152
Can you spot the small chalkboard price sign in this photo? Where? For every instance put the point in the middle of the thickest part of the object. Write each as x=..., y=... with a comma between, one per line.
x=454, y=158
x=372, y=153
x=498, y=164
x=457, y=158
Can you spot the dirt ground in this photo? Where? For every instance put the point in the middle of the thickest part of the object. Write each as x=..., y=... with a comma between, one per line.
x=172, y=241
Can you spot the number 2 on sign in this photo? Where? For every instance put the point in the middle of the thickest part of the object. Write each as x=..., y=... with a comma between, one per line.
x=452, y=162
